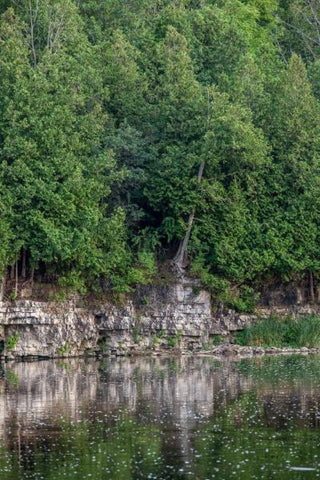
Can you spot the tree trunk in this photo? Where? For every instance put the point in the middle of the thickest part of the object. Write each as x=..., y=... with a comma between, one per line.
x=181, y=255
x=33, y=18
x=311, y=285
x=16, y=281
x=24, y=264
x=12, y=272
x=32, y=278
x=3, y=284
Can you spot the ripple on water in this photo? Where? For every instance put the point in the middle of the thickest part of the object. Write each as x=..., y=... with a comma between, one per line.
x=160, y=418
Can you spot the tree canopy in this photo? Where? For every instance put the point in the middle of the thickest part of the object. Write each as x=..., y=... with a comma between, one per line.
x=139, y=133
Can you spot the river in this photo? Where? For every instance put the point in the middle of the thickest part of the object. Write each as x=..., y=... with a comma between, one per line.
x=161, y=418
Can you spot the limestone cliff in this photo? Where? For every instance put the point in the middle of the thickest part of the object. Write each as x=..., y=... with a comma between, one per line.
x=179, y=316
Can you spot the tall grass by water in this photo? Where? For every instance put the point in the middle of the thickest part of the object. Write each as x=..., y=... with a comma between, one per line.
x=275, y=331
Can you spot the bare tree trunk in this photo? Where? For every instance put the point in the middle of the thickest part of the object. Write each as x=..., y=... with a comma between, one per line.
x=3, y=284
x=311, y=285
x=309, y=12
x=24, y=264
x=181, y=255
x=33, y=18
x=16, y=280
x=32, y=278
x=12, y=272
x=56, y=25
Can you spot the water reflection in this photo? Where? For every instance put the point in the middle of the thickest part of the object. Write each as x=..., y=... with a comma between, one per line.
x=163, y=418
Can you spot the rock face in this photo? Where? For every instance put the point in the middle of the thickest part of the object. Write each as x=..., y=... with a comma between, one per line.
x=176, y=316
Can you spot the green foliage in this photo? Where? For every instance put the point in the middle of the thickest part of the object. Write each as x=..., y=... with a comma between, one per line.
x=118, y=124
x=103, y=345
x=155, y=341
x=136, y=334
x=64, y=349
x=217, y=340
x=279, y=332
x=241, y=299
x=13, y=296
x=196, y=290
x=11, y=342
x=174, y=340
x=61, y=295
x=213, y=342
x=56, y=169
x=159, y=338
x=144, y=269
x=73, y=281
x=160, y=333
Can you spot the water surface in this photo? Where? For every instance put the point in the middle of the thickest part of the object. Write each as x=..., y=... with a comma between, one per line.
x=160, y=418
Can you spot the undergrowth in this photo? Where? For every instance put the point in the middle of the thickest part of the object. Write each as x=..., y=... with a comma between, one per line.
x=282, y=332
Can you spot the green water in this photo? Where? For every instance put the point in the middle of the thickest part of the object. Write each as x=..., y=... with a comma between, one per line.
x=161, y=418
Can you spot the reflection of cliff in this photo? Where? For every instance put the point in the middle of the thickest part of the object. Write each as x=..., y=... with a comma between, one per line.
x=180, y=389
x=176, y=393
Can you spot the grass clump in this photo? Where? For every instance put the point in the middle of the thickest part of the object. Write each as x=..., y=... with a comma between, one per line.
x=282, y=332
x=174, y=340
x=12, y=341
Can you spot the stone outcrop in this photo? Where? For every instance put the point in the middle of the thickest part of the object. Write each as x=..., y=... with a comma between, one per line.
x=178, y=316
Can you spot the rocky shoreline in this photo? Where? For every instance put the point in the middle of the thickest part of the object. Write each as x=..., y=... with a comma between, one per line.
x=241, y=351
x=219, y=352
x=180, y=318
x=230, y=350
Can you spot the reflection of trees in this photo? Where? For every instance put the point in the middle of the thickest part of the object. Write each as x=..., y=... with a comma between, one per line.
x=268, y=427
x=258, y=435
x=150, y=412
x=182, y=386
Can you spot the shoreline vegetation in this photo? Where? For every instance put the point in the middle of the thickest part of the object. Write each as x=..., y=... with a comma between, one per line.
x=287, y=332
x=155, y=133
x=274, y=335
x=267, y=336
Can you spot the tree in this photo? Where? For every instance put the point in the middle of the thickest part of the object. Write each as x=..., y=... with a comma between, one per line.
x=228, y=237
x=209, y=144
x=294, y=178
x=301, y=19
x=181, y=121
x=55, y=167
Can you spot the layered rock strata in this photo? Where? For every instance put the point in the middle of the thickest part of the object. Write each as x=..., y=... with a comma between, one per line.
x=178, y=317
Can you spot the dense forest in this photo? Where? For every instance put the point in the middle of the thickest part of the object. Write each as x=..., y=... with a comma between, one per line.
x=138, y=133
